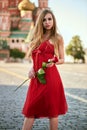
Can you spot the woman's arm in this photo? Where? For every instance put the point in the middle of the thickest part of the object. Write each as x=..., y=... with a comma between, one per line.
x=60, y=51
x=58, y=60
x=31, y=73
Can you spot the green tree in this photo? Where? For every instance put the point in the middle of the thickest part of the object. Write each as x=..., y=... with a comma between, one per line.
x=16, y=53
x=3, y=44
x=75, y=49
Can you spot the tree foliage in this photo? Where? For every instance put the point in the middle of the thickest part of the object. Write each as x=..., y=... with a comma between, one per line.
x=75, y=49
x=16, y=53
x=3, y=44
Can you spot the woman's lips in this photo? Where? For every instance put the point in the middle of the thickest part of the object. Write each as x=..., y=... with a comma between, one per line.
x=47, y=26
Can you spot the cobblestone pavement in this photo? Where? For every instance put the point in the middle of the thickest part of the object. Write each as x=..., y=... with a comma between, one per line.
x=74, y=77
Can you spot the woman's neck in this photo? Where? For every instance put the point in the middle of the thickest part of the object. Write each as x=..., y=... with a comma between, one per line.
x=48, y=32
x=46, y=36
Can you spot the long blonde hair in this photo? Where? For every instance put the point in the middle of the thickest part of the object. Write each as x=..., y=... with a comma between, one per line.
x=39, y=31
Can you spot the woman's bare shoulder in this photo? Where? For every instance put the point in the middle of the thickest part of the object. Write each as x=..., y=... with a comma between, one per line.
x=60, y=39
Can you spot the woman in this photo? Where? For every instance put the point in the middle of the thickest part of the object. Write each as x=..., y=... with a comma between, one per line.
x=45, y=100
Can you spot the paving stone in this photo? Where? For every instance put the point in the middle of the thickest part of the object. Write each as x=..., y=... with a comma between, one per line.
x=11, y=102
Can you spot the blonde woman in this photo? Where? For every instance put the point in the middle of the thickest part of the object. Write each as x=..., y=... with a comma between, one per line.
x=45, y=99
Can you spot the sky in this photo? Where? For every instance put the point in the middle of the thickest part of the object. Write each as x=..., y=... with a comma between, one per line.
x=71, y=17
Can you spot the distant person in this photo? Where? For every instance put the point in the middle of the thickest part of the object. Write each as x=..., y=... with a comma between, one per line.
x=45, y=99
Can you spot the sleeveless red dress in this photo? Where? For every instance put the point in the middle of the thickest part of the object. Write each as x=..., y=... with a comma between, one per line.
x=45, y=100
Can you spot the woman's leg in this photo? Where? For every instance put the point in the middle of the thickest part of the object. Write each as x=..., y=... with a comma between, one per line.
x=54, y=123
x=28, y=122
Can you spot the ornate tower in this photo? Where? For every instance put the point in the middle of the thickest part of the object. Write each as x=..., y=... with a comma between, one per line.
x=13, y=9
x=43, y=3
x=14, y=12
x=26, y=7
x=5, y=21
x=3, y=5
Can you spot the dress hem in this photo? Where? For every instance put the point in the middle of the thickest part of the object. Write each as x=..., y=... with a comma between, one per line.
x=44, y=116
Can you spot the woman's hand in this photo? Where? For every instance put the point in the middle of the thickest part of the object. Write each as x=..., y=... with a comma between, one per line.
x=50, y=64
x=31, y=73
x=26, y=57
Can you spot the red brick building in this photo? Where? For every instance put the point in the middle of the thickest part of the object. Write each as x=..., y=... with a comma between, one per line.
x=16, y=20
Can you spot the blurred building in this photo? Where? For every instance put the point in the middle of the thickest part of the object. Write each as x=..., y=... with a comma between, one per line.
x=17, y=18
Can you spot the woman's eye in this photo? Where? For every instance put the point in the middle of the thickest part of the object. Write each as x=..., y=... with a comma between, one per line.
x=49, y=19
x=44, y=20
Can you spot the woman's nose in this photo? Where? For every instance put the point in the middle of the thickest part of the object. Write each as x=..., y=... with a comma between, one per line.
x=47, y=21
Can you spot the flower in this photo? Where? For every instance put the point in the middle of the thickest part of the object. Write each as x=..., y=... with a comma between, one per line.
x=54, y=59
x=41, y=72
x=41, y=76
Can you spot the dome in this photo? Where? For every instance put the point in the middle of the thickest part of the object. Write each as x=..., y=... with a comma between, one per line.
x=26, y=5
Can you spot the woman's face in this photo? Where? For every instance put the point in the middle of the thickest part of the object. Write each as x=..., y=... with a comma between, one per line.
x=48, y=21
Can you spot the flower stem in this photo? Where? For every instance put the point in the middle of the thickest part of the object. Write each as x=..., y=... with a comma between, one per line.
x=21, y=84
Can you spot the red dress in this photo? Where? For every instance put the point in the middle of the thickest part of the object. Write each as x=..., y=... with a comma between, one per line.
x=45, y=100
